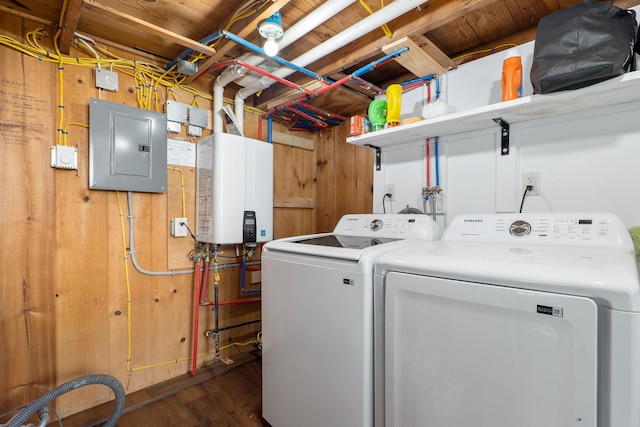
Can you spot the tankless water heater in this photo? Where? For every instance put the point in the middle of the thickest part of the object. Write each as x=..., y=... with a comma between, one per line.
x=234, y=190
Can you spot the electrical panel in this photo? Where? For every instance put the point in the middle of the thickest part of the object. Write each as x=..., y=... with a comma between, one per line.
x=234, y=190
x=127, y=148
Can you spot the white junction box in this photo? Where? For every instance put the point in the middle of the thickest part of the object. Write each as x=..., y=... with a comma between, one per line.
x=179, y=227
x=234, y=190
x=106, y=79
x=64, y=157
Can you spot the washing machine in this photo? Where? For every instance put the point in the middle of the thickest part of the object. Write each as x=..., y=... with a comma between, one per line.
x=317, y=319
x=513, y=320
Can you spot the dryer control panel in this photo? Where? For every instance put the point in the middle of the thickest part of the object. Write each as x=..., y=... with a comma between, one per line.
x=597, y=229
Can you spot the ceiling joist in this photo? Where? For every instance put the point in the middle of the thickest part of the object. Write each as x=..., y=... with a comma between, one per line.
x=69, y=20
x=423, y=57
x=149, y=28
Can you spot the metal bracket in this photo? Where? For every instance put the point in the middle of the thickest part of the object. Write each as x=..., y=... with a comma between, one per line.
x=378, y=155
x=504, y=150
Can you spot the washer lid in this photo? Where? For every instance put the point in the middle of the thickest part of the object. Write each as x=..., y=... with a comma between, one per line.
x=338, y=241
x=357, y=235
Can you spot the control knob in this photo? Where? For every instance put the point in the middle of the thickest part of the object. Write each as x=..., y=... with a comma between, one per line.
x=520, y=228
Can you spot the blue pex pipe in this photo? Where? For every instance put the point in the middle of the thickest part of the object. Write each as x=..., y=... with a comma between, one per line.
x=270, y=130
x=206, y=40
x=421, y=79
x=244, y=277
x=377, y=62
x=261, y=51
x=437, y=161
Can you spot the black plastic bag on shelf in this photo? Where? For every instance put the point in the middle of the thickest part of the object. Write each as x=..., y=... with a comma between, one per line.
x=582, y=45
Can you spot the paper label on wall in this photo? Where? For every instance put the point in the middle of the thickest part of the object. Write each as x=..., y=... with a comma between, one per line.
x=181, y=153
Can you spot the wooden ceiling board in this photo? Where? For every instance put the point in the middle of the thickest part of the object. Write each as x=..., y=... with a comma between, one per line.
x=492, y=22
x=92, y=23
x=457, y=36
x=456, y=27
x=416, y=59
x=42, y=9
x=527, y=13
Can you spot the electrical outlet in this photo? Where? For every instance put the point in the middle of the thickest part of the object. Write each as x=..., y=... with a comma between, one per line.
x=179, y=227
x=532, y=179
x=390, y=189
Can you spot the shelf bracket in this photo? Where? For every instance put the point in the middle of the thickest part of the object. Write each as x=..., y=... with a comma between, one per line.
x=504, y=150
x=378, y=155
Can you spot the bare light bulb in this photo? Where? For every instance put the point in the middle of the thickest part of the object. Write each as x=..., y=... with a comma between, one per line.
x=270, y=46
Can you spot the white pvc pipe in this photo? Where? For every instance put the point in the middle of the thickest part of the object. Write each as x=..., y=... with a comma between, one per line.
x=321, y=14
x=239, y=112
x=381, y=17
x=218, y=95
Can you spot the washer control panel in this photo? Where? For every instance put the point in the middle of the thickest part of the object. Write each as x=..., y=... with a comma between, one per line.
x=399, y=226
x=600, y=229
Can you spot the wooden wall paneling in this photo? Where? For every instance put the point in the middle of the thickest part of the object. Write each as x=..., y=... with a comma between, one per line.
x=27, y=367
x=294, y=177
x=81, y=257
x=74, y=236
x=345, y=176
x=325, y=190
x=282, y=187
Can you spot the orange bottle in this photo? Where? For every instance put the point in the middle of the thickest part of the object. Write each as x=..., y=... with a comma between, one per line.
x=512, y=75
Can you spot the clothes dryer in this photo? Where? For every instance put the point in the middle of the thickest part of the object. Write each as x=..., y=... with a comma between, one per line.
x=513, y=320
x=317, y=320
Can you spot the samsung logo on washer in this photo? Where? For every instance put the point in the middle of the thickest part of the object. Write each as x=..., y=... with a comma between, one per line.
x=551, y=311
x=473, y=220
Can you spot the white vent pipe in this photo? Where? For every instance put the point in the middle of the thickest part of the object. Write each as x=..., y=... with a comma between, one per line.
x=381, y=17
x=319, y=15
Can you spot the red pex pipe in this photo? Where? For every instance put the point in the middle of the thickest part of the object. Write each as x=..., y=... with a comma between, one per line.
x=261, y=72
x=324, y=113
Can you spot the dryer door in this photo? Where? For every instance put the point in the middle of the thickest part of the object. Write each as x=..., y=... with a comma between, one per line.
x=460, y=354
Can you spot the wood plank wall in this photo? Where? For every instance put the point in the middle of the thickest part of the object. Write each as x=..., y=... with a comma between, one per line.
x=63, y=289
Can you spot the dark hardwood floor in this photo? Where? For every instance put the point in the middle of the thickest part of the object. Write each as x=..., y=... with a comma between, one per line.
x=219, y=395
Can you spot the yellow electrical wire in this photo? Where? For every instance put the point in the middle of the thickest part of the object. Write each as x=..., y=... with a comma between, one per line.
x=184, y=359
x=491, y=50
x=125, y=258
x=65, y=132
x=384, y=27
x=184, y=205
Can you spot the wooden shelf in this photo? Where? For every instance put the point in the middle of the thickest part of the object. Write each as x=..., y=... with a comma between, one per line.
x=622, y=89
